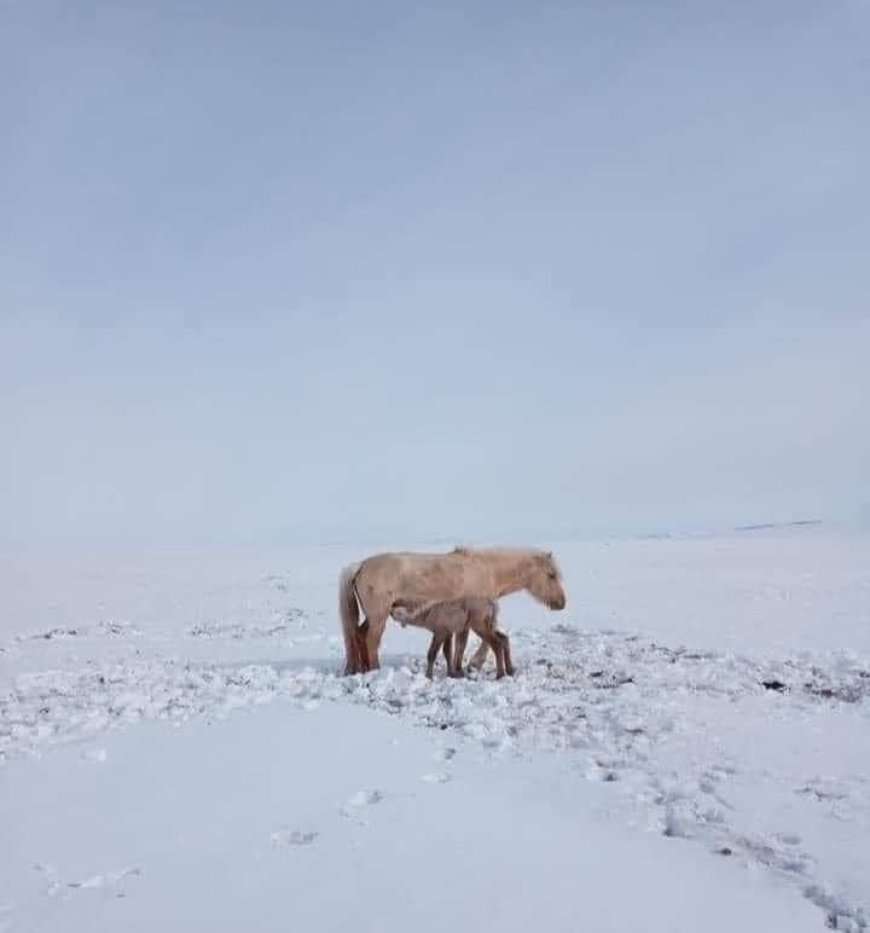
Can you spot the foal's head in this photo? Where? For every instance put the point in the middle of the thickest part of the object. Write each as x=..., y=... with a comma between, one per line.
x=405, y=612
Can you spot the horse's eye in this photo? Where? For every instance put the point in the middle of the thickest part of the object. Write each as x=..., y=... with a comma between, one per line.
x=552, y=575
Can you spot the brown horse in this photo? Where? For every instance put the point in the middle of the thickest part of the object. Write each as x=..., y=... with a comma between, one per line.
x=378, y=582
x=457, y=617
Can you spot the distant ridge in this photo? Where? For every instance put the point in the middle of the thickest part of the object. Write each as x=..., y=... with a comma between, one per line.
x=768, y=525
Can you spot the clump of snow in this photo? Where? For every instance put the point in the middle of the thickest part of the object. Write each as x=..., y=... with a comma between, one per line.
x=736, y=742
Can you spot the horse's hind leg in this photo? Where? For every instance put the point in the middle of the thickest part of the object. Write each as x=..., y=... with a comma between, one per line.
x=372, y=638
x=437, y=642
x=362, y=655
x=353, y=664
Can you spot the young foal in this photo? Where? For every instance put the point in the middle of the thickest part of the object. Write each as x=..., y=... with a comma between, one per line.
x=457, y=617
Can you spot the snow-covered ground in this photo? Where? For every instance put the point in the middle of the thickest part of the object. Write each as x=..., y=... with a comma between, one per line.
x=686, y=746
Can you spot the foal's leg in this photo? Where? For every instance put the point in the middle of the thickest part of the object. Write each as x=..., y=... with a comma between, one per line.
x=448, y=653
x=505, y=642
x=437, y=642
x=487, y=633
x=479, y=657
x=496, y=646
x=459, y=652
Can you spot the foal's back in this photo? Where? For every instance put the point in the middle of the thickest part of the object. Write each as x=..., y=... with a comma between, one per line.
x=453, y=615
x=480, y=610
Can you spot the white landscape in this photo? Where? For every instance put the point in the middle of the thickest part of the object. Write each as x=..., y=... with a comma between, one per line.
x=408, y=276
x=685, y=747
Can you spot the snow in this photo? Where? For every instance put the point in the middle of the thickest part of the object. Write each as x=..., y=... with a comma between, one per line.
x=684, y=746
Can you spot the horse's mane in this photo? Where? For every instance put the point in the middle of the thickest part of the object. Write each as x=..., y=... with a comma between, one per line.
x=507, y=551
x=542, y=558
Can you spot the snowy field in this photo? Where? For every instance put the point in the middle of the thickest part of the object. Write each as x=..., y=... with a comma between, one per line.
x=685, y=747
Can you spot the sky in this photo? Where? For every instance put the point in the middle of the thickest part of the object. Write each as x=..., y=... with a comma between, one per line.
x=288, y=272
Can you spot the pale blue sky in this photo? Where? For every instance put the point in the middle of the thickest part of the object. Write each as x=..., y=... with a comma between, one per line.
x=285, y=272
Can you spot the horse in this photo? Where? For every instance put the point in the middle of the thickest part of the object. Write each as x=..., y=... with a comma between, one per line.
x=376, y=583
x=457, y=617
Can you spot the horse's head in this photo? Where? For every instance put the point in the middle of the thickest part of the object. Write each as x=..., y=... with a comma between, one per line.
x=545, y=581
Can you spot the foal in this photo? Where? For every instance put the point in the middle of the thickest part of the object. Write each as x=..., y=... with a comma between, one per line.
x=457, y=617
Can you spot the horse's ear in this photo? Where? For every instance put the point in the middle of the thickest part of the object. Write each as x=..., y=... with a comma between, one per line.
x=550, y=554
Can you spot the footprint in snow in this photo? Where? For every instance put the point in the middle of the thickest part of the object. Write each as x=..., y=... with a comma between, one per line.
x=108, y=879
x=789, y=839
x=437, y=777
x=358, y=801
x=284, y=838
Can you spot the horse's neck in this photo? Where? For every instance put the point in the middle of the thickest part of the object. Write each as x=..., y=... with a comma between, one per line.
x=512, y=575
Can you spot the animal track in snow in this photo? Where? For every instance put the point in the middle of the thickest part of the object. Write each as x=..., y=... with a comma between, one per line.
x=356, y=803
x=284, y=838
x=108, y=879
x=436, y=777
x=635, y=713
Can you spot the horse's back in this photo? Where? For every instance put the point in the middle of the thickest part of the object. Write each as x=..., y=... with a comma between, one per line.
x=423, y=577
x=393, y=561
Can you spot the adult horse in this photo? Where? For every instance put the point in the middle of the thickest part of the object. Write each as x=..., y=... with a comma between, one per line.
x=378, y=582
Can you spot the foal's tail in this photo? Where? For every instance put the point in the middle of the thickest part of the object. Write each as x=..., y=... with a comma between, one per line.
x=348, y=607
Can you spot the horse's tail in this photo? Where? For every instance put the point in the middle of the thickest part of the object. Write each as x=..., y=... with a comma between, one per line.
x=348, y=607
